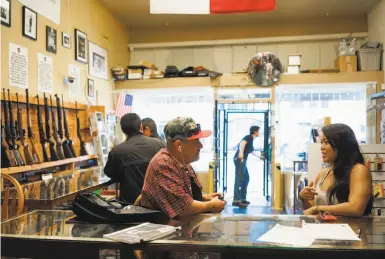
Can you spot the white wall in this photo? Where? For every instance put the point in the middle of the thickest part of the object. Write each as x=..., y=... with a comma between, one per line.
x=376, y=25
x=228, y=59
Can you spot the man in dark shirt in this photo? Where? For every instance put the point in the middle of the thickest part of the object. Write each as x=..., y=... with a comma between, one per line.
x=150, y=129
x=241, y=173
x=127, y=163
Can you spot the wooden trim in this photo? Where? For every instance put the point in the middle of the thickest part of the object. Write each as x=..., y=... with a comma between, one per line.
x=20, y=196
x=319, y=37
x=20, y=169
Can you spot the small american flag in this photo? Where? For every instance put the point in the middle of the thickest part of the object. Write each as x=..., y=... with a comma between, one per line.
x=123, y=105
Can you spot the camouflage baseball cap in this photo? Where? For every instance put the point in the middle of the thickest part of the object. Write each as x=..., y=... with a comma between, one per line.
x=184, y=128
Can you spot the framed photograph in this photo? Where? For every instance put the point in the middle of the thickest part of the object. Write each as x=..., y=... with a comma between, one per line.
x=91, y=88
x=66, y=40
x=51, y=39
x=80, y=46
x=98, y=61
x=29, y=23
x=5, y=12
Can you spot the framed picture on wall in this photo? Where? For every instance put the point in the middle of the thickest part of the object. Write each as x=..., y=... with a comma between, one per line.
x=5, y=12
x=80, y=46
x=29, y=23
x=98, y=61
x=51, y=39
x=66, y=40
x=90, y=88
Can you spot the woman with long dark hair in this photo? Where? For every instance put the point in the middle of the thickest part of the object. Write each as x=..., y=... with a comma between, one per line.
x=345, y=188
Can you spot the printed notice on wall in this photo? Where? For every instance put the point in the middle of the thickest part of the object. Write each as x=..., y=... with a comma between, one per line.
x=44, y=73
x=18, y=66
x=74, y=87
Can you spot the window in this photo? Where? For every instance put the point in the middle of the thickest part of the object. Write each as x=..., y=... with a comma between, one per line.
x=163, y=105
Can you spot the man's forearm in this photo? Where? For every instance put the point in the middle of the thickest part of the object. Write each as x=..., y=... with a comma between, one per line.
x=197, y=207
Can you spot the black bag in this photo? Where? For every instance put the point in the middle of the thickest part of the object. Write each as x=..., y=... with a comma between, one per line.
x=171, y=71
x=91, y=207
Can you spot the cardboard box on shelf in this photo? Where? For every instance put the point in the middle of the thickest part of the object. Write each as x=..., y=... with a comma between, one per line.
x=347, y=63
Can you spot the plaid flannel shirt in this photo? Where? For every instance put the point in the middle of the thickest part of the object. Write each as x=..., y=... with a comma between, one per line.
x=167, y=186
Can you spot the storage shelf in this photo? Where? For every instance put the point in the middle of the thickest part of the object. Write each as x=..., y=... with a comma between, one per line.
x=35, y=167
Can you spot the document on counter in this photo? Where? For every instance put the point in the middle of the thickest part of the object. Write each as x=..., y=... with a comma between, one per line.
x=340, y=232
x=287, y=236
x=142, y=233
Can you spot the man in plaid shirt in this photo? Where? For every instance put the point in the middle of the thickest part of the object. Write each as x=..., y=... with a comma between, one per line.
x=171, y=184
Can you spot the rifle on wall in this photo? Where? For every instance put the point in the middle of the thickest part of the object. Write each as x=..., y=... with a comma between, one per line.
x=66, y=131
x=66, y=148
x=5, y=152
x=59, y=145
x=43, y=140
x=17, y=153
x=52, y=151
x=31, y=136
x=83, y=151
x=6, y=135
x=21, y=131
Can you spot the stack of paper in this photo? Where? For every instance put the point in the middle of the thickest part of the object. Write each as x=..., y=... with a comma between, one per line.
x=341, y=232
x=288, y=236
x=142, y=233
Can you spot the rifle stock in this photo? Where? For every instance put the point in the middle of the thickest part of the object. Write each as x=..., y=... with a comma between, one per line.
x=59, y=145
x=16, y=151
x=52, y=151
x=68, y=139
x=5, y=152
x=27, y=153
x=66, y=148
x=6, y=135
x=31, y=136
x=83, y=151
x=43, y=140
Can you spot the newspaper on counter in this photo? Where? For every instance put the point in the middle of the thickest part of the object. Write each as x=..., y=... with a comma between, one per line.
x=142, y=233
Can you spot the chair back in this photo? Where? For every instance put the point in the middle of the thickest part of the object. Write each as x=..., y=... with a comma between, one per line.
x=14, y=192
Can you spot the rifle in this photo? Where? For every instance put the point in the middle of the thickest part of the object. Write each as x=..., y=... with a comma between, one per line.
x=83, y=151
x=21, y=131
x=66, y=131
x=17, y=153
x=43, y=139
x=54, y=156
x=66, y=149
x=31, y=136
x=6, y=134
x=5, y=152
x=59, y=145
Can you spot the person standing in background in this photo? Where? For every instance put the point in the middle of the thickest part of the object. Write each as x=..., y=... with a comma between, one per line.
x=151, y=130
x=241, y=172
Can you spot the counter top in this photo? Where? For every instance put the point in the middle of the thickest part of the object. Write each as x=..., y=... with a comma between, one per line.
x=208, y=232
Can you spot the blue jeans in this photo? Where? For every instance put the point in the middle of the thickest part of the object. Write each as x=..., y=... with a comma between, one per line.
x=241, y=180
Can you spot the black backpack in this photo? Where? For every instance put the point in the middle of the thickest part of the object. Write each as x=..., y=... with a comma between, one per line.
x=93, y=208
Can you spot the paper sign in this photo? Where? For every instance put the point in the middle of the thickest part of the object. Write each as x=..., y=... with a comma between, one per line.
x=48, y=8
x=18, y=66
x=74, y=87
x=44, y=73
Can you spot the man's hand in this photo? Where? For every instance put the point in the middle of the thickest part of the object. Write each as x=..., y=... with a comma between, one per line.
x=217, y=205
x=209, y=197
x=308, y=192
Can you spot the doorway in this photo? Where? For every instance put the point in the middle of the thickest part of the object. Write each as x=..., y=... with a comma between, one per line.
x=233, y=122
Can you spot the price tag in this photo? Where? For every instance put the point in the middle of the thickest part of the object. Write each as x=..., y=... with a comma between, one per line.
x=45, y=177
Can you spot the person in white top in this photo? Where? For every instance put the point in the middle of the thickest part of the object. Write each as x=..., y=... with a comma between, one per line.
x=345, y=188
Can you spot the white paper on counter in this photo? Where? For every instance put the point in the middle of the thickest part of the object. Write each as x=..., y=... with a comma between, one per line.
x=341, y=232
x=287, y=236
x=44, y=73
x=18, y=66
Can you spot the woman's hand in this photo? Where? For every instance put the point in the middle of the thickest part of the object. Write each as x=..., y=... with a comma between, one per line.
x=311, y=211
x=308, y=192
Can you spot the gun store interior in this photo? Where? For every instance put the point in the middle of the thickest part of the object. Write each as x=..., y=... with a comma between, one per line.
x=192, y=129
